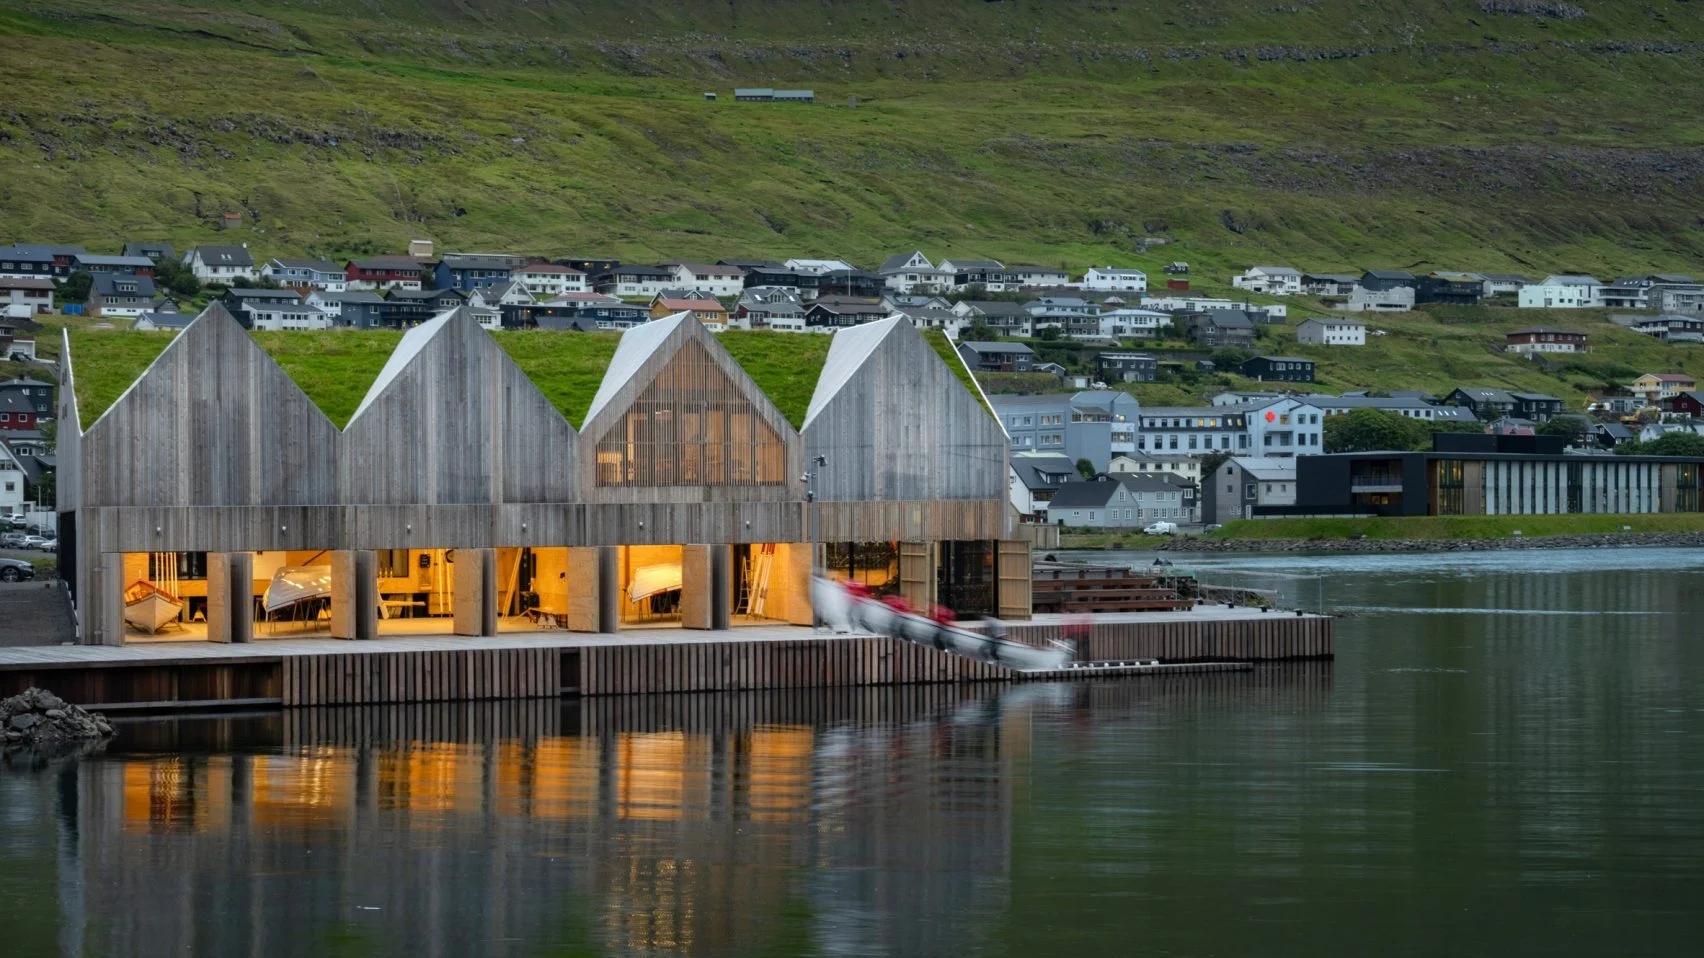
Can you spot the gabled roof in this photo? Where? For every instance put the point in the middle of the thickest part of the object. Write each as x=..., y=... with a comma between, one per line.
x=1570, y=279
x=388, y=263
x=1283, y=359
x=240, y=293
x=708, y=269
x=555, y=269
x=703, y=304
x=1390, y=274
x=493, y=261
x=998, y=308
x=132, y=262
x=898, y=261
x=224, y=255
x=1268, y=468
x=1275, y=270
x=1085, y=494
x=106, y=284
x=1671, y=377
x=317, y=265
x=998, y=348
x=1535, y=330
x=1486, y=394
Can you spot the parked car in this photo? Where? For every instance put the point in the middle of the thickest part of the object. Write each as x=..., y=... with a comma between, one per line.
x=50, y=544
x=15, y=570
x=1161, y=529
x=31, y=542
x=11, y=540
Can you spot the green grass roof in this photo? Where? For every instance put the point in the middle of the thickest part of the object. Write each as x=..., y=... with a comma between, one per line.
x=785, y=366
x=335, y=369
x=566, y=367
x=106, y=361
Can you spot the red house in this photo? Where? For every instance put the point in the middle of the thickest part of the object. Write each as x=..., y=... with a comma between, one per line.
x=16, y=413
x=384, y=272
x=1685, y=404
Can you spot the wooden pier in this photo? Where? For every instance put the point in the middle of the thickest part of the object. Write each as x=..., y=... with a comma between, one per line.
x=522, y=665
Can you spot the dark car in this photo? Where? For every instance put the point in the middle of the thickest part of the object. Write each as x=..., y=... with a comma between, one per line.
x=15, y=570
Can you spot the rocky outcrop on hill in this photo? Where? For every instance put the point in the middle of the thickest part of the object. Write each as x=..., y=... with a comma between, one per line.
x=1375, y=546
x=38, y=719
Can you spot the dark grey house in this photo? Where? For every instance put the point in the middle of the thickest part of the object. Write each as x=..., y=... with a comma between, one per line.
x=1383, y=280
x=997, y=357
x=1283, y=369
x=1126, y=367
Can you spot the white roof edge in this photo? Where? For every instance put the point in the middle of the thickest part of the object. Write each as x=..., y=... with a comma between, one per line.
x=637, y=345
x=846, y=355
x=412, y=343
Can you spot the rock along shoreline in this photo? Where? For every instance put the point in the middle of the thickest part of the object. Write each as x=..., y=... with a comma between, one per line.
x=1377, y=546
x=38, y=719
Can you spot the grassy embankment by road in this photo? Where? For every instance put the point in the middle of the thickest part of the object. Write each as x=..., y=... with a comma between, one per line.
x=1331, y=135
x=1456, y=527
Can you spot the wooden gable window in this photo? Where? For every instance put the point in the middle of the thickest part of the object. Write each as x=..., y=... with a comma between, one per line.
x=692, y=426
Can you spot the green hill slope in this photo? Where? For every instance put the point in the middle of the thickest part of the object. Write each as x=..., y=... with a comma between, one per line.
x=1331, y=134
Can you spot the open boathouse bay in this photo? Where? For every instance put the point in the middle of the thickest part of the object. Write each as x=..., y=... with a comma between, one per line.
x=1502, y=760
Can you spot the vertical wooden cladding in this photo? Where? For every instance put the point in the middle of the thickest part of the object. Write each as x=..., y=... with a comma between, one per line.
x=788, y=664
x=673, y=394
x=213, y=422
x=896, y=424
x=456, y=422
x=451, y=675
x=1266, y=638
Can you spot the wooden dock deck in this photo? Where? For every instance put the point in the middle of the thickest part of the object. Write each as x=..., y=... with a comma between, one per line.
x=437, y=668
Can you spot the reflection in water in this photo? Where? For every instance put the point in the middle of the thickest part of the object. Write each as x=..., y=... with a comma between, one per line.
x=1469, y=783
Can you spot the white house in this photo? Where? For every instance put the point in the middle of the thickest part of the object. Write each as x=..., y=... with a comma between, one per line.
x=1113, y=279
x=913, y=273
x=1562, y=292
x=1133, y=323
x=306, y=274
x=221, y=264
x=1399, y=299
x=1187, y=468
x=497, y=295
x=1039, y=276
x=273, y=316
x=11, y=482
x=545, y=280
x=1331, y=332
x=722, y=282
x=1271, y=280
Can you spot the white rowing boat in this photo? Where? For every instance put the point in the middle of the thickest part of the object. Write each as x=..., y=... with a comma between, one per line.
x=296, y=584
x=149, y=607
x=844, y=611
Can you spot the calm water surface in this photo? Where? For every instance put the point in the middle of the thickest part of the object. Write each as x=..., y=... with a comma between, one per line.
x=1506, y=758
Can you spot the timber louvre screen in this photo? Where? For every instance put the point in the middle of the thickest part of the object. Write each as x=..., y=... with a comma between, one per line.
x=692, y=426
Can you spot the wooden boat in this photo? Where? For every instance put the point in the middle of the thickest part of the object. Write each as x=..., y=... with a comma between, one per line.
x=149, y=607
x=844, y=609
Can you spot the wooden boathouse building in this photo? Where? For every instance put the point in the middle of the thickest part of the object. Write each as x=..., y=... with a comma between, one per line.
x=459, y=499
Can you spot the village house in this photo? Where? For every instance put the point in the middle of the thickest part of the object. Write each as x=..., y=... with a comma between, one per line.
x=306, y=274
x=31, y=292
x=1285, y=369
x=157, y=319
x=1005, y=319
x=1126, y=367
x=711, y=279
x=1271, y=280
x=1638, y=292
x=18, y=413
x=1185, y=468
x=829, y=313
x=1218, y=328
x=913, y=273
x=1114, y=279
x=1505, y=284
x=1653, y=388
x=1411, y=407
x=1678, y=299
x=469, y=271
x=1329, y=284
x=354, y=309
x=35, y=395
x=154, y=251
x=384, y=272
x=277, y=316
x=705, y=309
x=1034, y=477
x=1331, y=332
x=1192, y=430
x=1245, y=483
x=849, y=282
x=1544, y=339
x=1063, y=312
x=122, y=265
x=120, y=295
x=404, y=308
x=1393, y=299
x=1094, y=424
x=1123, y=501
x=769, y=307
x=223, y=265
x=27, y=261
x=1562, y=292
x=1026, y=275
x=634, y=282
x=498, y=295
x=1671, y=328
x=818, y=267
x=545, y=280
x=1455, y=289
x=1689, y=405
x=1485, y=402
x=997, y=357
x=1130, y=323
x=238, y=297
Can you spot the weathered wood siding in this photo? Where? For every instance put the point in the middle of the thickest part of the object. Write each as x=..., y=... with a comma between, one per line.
x=459, y=423
x=898, y=425
x=452, y=675
x=1268, y=637
x=628, y=379
x=213, y=422
x=794, y=664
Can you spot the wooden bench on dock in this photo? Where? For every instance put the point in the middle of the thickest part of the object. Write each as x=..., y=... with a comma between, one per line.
x=1090, y=589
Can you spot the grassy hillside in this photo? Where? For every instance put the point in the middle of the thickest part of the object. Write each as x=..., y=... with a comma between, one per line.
x=1331, y=134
